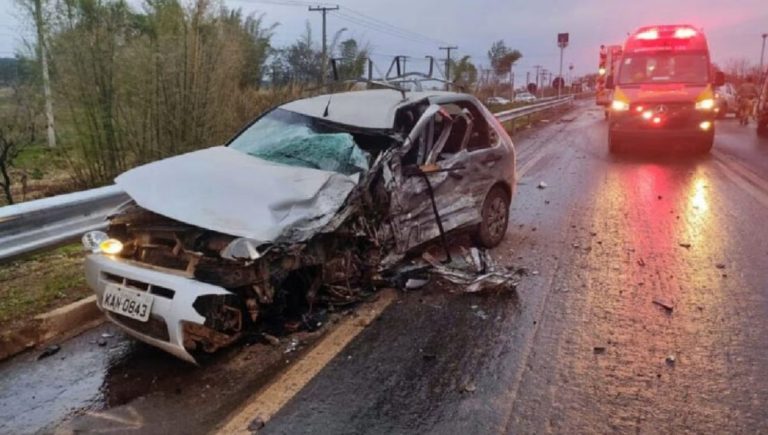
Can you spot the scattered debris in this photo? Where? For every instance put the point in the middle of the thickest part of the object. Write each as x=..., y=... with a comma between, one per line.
x=598, y=350
x=101, y=342
x=592, y=233
x=292, y=345
x=576, y=245
x=671, y=360
x=313, y=321
x=274, y=341
x=475, y=271
x=664, y=304
x=107, y=335
x=49, y=351
x=720, y=266
x=659, y=196
x=685, y=245
x=481, y=314
x=542, y=185
x=535, y=272
x=256, y=424
x=416, y=283
x=641, y=262
x=468, y=387
x=546, y=202
x=428, y=356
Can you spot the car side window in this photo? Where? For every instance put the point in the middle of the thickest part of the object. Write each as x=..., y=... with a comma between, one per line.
x=428, y=138
x=483, y=136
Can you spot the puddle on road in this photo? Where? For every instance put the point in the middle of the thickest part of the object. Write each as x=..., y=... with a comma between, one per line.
x=37, y=394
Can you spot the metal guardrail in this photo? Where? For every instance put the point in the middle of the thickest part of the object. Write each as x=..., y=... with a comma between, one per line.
x=543, y=104
x=50, y=222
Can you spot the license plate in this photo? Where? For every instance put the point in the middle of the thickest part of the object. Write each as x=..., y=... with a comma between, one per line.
x=128, y=302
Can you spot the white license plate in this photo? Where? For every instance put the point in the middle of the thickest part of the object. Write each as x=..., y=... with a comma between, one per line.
x=128, y=302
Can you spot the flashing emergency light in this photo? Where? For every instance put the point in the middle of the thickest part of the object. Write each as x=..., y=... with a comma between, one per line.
x=685, y=33
x=648, y=34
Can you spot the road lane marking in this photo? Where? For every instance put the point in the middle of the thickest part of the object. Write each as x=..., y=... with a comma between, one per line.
x=268, y=401
x=743, y=177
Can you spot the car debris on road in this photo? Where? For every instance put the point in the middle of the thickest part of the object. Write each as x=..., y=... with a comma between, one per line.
x=315, y=204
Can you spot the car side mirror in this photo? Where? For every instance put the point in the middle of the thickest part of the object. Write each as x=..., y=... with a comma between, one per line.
x=609, y=83
x=719, y=78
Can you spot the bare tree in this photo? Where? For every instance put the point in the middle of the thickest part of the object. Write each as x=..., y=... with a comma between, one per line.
x=17, y=130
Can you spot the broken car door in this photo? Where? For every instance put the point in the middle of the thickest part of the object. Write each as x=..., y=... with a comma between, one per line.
x=435, y=152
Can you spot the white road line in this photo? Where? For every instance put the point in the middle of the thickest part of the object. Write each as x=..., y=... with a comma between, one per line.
x=267, y=402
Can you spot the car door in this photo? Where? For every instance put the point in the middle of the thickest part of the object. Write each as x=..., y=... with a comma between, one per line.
x=441, y=161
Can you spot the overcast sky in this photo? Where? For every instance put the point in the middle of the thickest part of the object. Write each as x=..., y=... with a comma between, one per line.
x=417, y=27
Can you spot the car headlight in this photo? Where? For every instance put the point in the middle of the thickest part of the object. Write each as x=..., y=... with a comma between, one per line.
x=98, y=241
x=619, y=106
x=111, y=246
x=707, y=104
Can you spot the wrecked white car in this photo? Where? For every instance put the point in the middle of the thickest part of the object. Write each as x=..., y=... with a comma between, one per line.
x=307, y=207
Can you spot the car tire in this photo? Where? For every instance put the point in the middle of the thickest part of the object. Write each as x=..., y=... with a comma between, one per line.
x=614, y=145
x=723, y=111
x=495, y=218
x=705, y=145
x=762, y=128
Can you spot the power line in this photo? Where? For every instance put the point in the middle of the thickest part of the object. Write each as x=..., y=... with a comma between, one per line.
x=395, y=28
x=377, y=28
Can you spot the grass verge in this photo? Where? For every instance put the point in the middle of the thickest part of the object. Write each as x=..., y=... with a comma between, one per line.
x=40, y=283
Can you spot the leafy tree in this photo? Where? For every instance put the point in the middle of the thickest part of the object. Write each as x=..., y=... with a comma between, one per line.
x=353, y=59
x=502, y=57
x=464, y=72
x=303, y=61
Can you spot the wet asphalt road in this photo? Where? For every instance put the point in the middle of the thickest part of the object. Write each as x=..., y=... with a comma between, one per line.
x=581, y=347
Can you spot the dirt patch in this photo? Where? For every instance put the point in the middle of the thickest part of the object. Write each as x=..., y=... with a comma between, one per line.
x=40, y=283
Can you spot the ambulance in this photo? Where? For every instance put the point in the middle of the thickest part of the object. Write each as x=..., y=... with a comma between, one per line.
x=609, y=61
x=663, y=91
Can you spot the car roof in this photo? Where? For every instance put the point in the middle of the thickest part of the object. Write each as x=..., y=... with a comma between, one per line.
x=372, y=109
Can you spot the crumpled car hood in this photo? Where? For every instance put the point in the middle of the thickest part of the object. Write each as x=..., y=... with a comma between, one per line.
x=227, y=191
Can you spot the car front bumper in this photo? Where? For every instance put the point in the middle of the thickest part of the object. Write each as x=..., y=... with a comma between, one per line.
x=173, y=299
x=631, y=127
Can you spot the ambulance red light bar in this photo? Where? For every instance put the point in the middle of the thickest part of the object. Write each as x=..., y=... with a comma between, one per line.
x=685, y=33
x=648, y=35
x=674, y=32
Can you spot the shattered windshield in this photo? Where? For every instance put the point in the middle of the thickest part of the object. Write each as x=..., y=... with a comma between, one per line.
x=664, y=67
x=292, y=139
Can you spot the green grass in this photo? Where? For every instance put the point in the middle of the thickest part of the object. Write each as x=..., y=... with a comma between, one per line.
x=40, y=283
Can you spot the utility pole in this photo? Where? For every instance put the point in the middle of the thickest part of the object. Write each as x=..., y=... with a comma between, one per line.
x=46, y=78
x=324, y=61
x=538, y=69
x=762, y=54
x=562, y=42
x=448, y=64
x=511, y=83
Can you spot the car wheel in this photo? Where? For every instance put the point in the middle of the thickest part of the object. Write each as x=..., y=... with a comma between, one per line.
x=723, y=111
x=495, y=218
x=705, y=145
x=614, y=146
x=762, y=128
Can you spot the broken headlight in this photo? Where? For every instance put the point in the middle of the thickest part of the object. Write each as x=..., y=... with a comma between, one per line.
x=99, y=242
